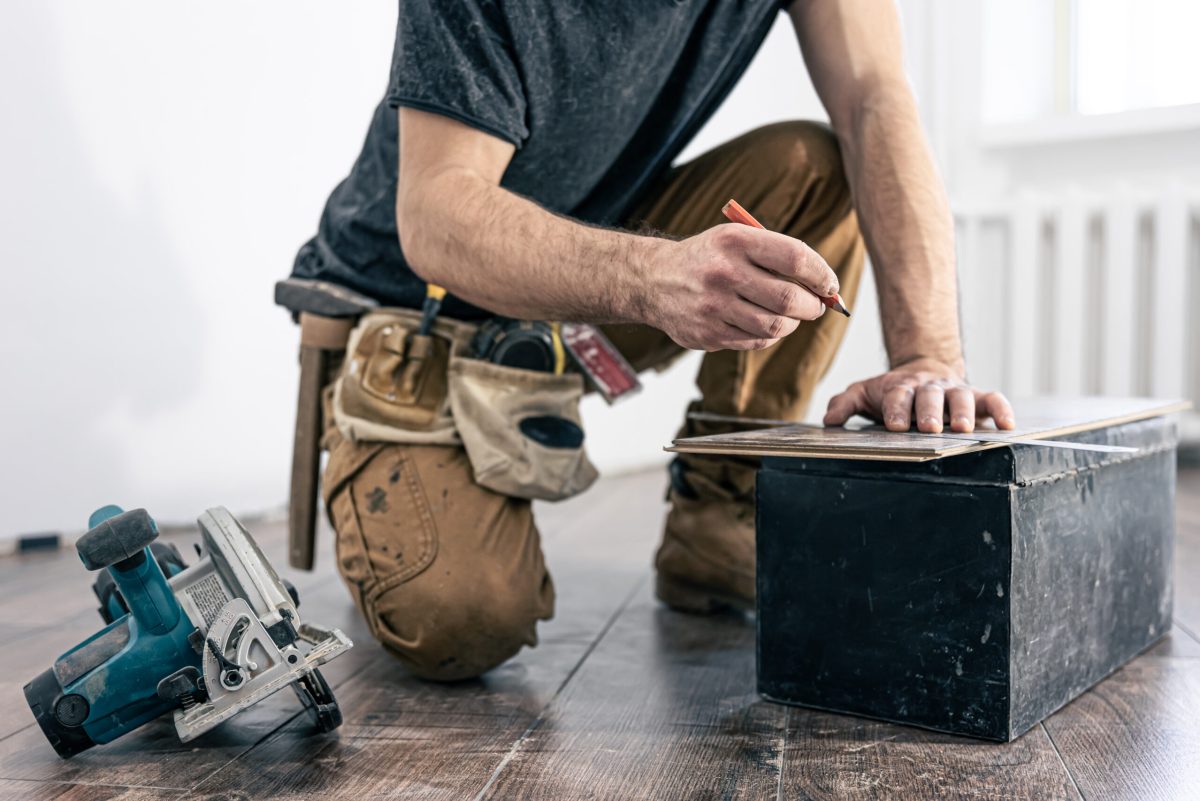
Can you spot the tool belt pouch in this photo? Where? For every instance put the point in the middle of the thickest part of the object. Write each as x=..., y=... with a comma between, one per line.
x=393, y=383
x=521, y=429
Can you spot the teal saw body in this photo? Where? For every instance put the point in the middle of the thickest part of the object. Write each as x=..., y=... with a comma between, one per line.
x=203, y=642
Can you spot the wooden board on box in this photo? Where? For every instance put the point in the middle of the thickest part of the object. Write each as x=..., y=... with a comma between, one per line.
x=1037, y=418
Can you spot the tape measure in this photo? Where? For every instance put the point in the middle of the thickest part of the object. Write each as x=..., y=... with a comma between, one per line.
x=524, y=344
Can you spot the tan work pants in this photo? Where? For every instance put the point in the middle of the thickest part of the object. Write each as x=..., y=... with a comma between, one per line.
x=450, y=576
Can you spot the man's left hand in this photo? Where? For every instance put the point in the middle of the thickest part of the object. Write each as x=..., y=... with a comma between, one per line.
x=925, y=390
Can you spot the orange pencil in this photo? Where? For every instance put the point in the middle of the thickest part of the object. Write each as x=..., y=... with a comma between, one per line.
x=734, y=211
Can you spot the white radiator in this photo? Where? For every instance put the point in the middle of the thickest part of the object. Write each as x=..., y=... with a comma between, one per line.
x=1082, y=293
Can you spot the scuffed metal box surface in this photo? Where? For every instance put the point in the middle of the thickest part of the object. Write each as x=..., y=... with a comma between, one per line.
x=973, y=595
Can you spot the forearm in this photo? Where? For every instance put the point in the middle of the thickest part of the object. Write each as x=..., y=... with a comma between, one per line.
x=853, y=49
x=906, y=222
x=731, y=286
x=504, y=253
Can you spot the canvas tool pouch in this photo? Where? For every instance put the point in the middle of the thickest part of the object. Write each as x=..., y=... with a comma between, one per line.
x=392, y=387
x=491, y=401
x=397, y=386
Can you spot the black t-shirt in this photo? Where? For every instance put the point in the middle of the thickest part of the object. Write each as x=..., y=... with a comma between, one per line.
x=598, y=96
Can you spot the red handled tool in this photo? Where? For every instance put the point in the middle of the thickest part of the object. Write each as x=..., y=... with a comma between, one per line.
x=734, y=211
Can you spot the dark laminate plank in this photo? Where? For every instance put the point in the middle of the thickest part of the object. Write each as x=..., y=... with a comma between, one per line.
x=51, y=596
x=838, y=757
x=55, y=791
x=664, y=708
x=414, y=738
x=1134, y=735
x=1109, y=754
x=77, y=619
x=23, y=574
x=403, y=738
x=153, y=756
x=557, y=520
x=612, y=536
x=33, y=655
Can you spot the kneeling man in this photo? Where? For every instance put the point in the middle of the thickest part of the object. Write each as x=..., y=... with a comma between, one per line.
x=523, y=159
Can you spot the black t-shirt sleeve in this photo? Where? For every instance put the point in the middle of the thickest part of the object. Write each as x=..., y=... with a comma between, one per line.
x=456, y=59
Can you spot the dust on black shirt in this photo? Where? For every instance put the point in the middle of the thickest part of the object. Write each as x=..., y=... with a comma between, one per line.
x=598, y=96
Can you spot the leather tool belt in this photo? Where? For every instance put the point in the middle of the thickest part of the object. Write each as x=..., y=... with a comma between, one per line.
x=398, y=386
x=392, y=384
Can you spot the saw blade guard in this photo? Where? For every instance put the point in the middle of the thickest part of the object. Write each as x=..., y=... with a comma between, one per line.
x=253, y=640
x=242, y=566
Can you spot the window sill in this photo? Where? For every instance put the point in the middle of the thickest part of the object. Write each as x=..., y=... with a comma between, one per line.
x=1069, y=129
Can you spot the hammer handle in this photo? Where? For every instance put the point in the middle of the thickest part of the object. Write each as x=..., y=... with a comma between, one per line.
x=321, y=338
x=306, y=458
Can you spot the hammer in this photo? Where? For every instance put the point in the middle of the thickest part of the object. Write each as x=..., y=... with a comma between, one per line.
x=326, y=312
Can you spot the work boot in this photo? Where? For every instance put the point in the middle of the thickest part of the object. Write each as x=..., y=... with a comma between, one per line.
x=705, y=563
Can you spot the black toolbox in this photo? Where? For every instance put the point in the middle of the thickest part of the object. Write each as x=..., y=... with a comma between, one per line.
x=974, y=594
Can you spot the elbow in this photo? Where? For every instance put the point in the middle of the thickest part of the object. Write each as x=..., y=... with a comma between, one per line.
x=416, y=229
x=874, y=94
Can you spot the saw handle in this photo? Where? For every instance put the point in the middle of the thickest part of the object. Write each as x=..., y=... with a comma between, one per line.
x=116, y=540
x=120, y=542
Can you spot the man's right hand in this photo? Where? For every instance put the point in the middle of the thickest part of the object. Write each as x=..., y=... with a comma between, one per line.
x=734, y=287
x=725, y=288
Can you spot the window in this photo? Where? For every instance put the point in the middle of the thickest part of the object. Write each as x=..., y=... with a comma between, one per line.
x=1056, y=58
x=1133, y=55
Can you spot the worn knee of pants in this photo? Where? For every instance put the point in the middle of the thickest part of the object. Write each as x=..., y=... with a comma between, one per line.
x=448, y=575
x=790, y=176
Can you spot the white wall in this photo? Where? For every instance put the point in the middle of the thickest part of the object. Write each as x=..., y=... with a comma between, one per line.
x=1008, y=144
x=161, y=163
x=985, y=72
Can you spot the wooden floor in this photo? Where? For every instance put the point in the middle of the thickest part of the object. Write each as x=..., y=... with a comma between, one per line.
x=622, y=699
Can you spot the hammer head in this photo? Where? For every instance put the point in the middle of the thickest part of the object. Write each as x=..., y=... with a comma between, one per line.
x=321, y=298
